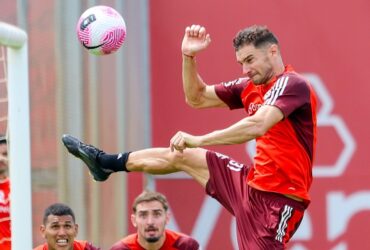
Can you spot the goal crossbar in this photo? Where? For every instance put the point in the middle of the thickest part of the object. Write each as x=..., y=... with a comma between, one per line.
x=12, y=36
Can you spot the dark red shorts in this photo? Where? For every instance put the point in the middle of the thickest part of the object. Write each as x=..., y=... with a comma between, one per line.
x=264, y=220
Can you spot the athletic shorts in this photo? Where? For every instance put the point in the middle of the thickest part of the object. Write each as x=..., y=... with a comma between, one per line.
x=264, y=220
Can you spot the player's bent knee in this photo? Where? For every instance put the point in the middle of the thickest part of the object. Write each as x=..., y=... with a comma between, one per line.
x=189, y=158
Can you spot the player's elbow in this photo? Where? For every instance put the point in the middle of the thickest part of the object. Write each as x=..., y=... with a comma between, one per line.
x=194, y=103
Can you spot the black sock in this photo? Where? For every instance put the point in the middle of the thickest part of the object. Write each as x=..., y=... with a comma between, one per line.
x=115, y=162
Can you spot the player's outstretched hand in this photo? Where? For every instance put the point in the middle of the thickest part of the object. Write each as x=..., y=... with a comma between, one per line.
x=182, y=140
x=195, y=40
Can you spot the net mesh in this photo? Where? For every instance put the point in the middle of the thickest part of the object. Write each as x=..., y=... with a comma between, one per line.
x=3, y=92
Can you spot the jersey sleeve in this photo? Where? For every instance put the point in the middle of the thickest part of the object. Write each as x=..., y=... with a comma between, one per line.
x=288, y=94
x=186, y=243
x=230, y=92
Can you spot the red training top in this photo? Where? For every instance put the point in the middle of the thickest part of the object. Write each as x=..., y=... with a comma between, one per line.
x=174, y=241
x=5, y=235
x=284, y=154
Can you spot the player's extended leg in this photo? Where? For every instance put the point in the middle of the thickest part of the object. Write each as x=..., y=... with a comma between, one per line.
x=153, y=160
x=163, y=161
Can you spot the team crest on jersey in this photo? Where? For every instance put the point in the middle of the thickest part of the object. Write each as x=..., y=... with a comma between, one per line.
x=252, y=102
x=253, y=107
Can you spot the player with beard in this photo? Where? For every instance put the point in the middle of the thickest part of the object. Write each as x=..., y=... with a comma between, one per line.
x=150, y=217
x=5, y=233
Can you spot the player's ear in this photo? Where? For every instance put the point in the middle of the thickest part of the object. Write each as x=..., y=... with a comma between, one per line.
x=168, y=216
x=133, y=220
x=42, y=231
x=76, y=228
x=274, y=49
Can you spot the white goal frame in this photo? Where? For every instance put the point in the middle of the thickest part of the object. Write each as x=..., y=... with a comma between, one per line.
x=15, y=40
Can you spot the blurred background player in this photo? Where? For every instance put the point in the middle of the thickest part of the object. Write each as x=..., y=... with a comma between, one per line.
x=59, y=229
x=150, y=217
x=5, y=233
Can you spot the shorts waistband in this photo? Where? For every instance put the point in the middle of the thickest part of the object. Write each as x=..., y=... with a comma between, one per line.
x=293, y=203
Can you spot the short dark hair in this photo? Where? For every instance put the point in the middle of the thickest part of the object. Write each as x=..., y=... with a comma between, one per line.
x=257, y=35
x=148, y=196
x=58, y=209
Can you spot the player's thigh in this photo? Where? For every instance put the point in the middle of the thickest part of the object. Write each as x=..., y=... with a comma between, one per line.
x=193, y=161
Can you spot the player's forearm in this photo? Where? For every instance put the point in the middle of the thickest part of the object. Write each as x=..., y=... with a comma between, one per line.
x=240, y=132
x=193, y=85
x=246, y=129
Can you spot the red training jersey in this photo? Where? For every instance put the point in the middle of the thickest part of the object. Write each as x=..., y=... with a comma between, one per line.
x=284, y=154
x=77, y=245
x=5, y=235
x=174, y=241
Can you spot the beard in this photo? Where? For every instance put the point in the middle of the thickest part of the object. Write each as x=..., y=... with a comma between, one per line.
x=152, y=239
x=3, y=171
x=265, y=74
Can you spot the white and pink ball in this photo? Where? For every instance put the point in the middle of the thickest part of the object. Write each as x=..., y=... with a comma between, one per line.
x=101, y=30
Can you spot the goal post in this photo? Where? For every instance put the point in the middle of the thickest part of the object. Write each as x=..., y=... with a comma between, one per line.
x=15, y=40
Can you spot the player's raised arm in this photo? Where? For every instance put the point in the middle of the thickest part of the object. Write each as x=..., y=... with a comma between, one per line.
x=197, y=93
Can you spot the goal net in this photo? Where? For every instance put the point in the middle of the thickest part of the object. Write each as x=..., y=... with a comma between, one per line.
x=15, y=123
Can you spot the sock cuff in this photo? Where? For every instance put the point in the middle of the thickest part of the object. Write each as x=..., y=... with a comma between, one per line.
x=124, y=160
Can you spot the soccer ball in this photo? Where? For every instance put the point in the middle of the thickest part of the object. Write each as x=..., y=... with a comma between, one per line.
x=101, y=30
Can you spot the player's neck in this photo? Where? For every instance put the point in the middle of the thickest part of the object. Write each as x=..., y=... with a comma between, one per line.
x=152, y=246
x=280, y=68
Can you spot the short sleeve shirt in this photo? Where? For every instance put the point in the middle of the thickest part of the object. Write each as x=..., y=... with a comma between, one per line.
x=285, y=153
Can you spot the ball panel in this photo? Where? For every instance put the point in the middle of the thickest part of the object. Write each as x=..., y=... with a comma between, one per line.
x=113, y=40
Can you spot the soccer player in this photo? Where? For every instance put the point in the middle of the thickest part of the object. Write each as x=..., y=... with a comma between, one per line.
x=150, y=217
x=59, y=230
x=5, y=233
x=267, y=199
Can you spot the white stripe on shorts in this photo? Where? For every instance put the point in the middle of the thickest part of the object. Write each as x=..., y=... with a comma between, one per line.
x=283, y=224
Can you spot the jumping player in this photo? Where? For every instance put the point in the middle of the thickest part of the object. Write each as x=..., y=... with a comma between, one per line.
x=267, y=199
